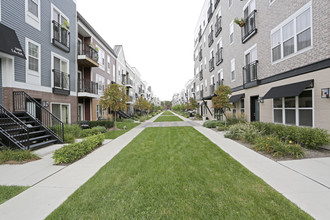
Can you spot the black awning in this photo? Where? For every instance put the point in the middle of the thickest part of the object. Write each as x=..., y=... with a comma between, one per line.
x=236, y=98
x=9, y=43
x=289, y=90
x=208, y=97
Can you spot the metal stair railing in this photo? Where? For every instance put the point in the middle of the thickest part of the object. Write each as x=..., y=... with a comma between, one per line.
x=47, y=119
x=6, y=118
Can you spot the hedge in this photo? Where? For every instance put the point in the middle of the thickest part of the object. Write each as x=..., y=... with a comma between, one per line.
x=73, y=152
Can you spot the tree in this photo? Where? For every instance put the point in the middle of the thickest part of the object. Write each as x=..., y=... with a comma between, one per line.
x=142, y=104
x=115, y=98
x=221, y=99
x=192, y=104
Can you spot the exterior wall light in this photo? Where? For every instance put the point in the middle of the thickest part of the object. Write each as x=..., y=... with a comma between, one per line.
x=260, y=100
x=325, y=93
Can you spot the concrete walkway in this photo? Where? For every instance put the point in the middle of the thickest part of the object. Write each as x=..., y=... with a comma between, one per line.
x=303, y=182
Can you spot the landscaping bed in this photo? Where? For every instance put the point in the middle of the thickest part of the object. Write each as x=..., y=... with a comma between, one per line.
x=16, y=156
x=178, y=175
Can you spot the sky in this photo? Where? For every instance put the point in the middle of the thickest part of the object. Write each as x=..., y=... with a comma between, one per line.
x=157, y=36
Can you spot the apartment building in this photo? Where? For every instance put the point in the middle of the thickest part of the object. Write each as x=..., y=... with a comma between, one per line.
x=46, y=32
x=96, y=70
x=276, y=59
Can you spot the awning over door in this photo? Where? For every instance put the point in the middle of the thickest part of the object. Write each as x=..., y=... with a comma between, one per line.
x=9, y=43
x=289, y=90
x=236, y=98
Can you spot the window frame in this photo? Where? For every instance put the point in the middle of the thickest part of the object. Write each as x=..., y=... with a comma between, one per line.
x=108, y=65
x=28, y=71
x=61, y=58
x=61, y=103
x=231, y=32
x=280, y=27
x=296, y=108
x=232, y=70
x=101, y=60
x=30, y=18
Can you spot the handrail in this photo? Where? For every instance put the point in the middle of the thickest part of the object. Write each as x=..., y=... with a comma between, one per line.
x=250, y=72
x=61, y=80
x=218, y=27
x=13, y=119
x=86, y=85
x=250, y=25
x=61, y=34
x=47, y=119
x=89, y=51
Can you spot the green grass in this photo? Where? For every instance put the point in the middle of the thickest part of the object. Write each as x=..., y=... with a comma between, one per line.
x=167, y=113
x=18, y=156
x=8, y=192
x=120, y=125
x=179, y=174
x=168, y=118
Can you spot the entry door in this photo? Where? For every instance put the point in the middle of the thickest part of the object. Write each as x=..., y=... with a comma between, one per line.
x=255, y=111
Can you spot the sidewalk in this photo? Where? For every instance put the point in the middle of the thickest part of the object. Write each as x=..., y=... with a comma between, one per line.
x=41, y=199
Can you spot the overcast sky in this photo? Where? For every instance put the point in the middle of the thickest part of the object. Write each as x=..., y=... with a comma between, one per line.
x=157, y=35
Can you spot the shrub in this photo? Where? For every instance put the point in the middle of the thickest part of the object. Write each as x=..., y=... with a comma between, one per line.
x=244, y=131
x=306, y=137
x=232, y=120
x=142, y=119
x=93, y=131
x=222, y=128
x=278, y=148
x=74, y=130
x=16, y=155
x=73, y=152
x=213, y=124
x=69, y=138
x=198, y=116
x=104, y=123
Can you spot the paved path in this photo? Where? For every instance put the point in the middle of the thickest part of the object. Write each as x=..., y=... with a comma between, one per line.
x=304, y=182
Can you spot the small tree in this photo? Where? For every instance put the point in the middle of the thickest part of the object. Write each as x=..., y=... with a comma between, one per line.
x=192, y=104
x=221, y=99
x=142, y=104
x=115, y=98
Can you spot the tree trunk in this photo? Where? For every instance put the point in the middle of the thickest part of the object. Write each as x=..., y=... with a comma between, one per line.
x=115, y=120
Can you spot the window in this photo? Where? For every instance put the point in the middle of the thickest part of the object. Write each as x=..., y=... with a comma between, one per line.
x=232, y=70
x=242, y=107
x=61, y=73
x=60, y=29
x=230, y=3
x=101, y=58
x=231, y=32
x=33, y=62
x=271, y=1
x=294, y=110
x=32, y=13
x=99, y=112
x=62, y=112
x=109, y=66
x=293, y=35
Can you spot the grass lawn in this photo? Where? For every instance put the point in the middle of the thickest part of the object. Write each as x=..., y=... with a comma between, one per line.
x=168, y=118
x=120, y=125
x=8, y=192
x=178, y=175
x=167, y=113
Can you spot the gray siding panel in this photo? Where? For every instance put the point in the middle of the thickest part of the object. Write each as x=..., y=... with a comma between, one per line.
x=13, y=16
x=0, y=83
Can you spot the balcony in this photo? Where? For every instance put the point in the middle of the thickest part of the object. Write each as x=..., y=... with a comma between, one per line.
x=130, y=101
x=200, y=74
x=200, y=55
x=200, y=35
x=216, y=3
x=250, y=75
x=61, y=37
x=87, y=56
x=211, y=38
x=249, y=28
x=219, y=83
x=218, y=56
x=87, y=88
x=209, y=12
x=201, y=95
x=218, y=27
x=211, y=64
x=127, y=82
x=61, y=83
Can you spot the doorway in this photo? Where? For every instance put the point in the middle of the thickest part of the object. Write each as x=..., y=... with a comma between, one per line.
x=255, y=110
x=33, y=110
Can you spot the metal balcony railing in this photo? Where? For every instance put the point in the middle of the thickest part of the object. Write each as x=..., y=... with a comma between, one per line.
x=61, y=36
x=209, y=13
x=85, y=85
x=61, y=80
x=218, y=26
x=88, y=51
x=200, y=75
x=250, y=72
x=200, y=35
x=200, y=55
x=249, y=29
x=216, y=3
x=211, y=38
x=211, y=64
x=218, y=56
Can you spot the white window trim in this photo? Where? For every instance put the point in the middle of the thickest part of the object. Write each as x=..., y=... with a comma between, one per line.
x=280, y=27
x=28, y=71
x=60, y=103
x=231, y=24
x=101, y=66
x=108, y=64
x=231, y=70
x=51, y=19
x=30, y=18
x=232, y=2
x=296, y=110
x=248, y=51
x=271, y=2
x=52, y=67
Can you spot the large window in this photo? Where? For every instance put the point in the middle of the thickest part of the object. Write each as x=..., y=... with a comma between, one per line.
x=61, y=75
x=294, y=110
x=101, y=58
x=232, y=70
x=62, y=112
x=108, y=66
x=231, y=32
x=293, y=35
x=32, y=13
x=33, y=62
x=33, y=7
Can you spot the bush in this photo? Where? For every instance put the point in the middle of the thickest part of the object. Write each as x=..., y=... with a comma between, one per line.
x=278, y=148
x=93, y=131
x=142, y=119
x=103, y=123
x=232, y=120
x=198, y=116
x=73, y=152
x=306, y=137
x=69, y=138
x=213, y=124
x=74, y=130
x=16, y=155
x=245, y=131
